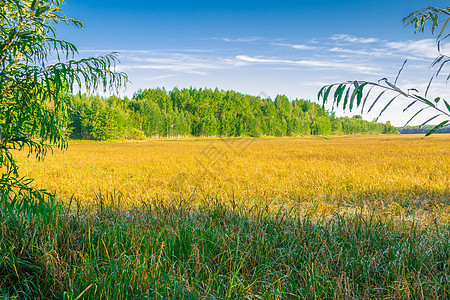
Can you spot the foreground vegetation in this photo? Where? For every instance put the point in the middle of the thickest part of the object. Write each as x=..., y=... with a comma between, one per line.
x=213, y=252
x=310, y=218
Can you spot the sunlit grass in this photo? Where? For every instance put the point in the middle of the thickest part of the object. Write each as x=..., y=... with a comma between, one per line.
x=362, y=217
x=398, y=172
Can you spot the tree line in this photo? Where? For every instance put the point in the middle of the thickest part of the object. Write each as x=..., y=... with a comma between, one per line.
x=206, y=113
x=422, y=129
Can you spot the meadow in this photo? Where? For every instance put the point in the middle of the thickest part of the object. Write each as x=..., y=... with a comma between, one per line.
x=348, y=217
x=401, y=173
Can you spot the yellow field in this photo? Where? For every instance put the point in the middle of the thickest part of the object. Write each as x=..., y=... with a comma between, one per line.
x=398, y=172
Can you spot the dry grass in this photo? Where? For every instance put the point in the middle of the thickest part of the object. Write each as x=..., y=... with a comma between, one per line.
x=399, y=173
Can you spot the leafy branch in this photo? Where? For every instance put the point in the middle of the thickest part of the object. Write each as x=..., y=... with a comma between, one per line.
x=353, y=94
x=34, y=94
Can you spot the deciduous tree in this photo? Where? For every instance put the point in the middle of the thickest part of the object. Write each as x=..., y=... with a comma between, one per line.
x=33, y=91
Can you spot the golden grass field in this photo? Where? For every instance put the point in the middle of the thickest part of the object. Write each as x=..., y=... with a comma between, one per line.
x=346, y=217
x=399, y=173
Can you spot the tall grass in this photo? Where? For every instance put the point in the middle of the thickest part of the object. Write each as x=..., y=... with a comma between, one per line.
x=344, y=218
x=163, y=251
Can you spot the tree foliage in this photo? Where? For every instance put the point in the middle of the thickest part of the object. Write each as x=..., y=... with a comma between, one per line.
x=206, y=112
x=352, y=94
x=33, y=91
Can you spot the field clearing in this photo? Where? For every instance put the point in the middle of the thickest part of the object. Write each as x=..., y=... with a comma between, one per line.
x=400, y=173
x=350, y=217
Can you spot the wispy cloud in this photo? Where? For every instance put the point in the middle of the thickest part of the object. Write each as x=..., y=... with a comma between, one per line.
x=160, y=77
x=152, y=51
x=425, y=49
x=371, y=52
x=303, y=47
x=294, y=46
x=353, y=39
x=309, y=63
x=237, y=40
x=421, y=49
x=186, y=63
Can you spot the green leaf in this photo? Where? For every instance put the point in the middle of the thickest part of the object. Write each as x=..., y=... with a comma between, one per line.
x=352, y=99
x=410, y=105
x=393, y=86
x=41, y=10
x=400, y=71
x=320, y=93
x=327, y=92
x=25, y=34
x=386, y=106
x=365, y=100
x=34, y=5
x=376, y=100
x=360, y=94
x=436, y=128
x=338, y=94
x=426, y=101
x=346, y=97
x=430, y=119
x=447, y=104
x=442, y=29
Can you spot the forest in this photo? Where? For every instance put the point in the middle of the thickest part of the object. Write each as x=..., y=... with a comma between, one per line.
x=206, y=113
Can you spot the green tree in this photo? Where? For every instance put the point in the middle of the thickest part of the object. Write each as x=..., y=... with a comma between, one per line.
x=355, y=94
x=34, y=93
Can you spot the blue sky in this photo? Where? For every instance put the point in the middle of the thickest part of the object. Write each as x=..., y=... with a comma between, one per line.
x=254, y=47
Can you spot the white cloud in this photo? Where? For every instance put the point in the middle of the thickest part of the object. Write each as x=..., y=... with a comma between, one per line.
x=303, y=47
x=192, y=63
x=237, y=40
x=420, y=49
x=369, y=52
x=189, y=69
x=425, y=49
x=309, y=63
x=353, y=39
x=298, y=47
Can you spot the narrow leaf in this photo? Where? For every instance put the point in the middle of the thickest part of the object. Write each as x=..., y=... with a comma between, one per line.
x=446, y=104
x=365, y=100
x=442, y=29
x=411, y=104
x=346, y=97
x=327, y=92
x=426, y=101
x=429, y=120
x=415, y=115
x=319, y=94
x=400, y=71
x=376, y=100
x=436, y=128
x=387, y=105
